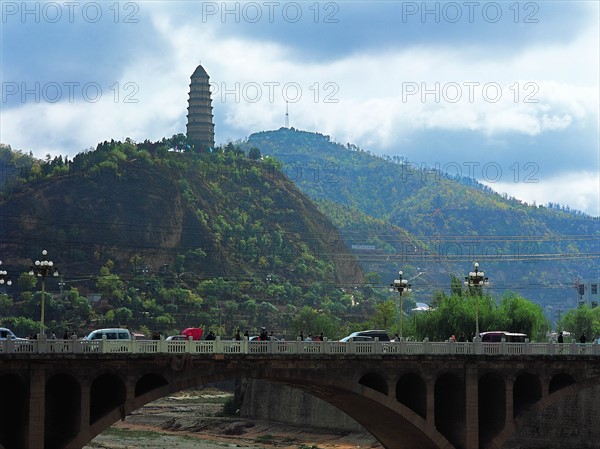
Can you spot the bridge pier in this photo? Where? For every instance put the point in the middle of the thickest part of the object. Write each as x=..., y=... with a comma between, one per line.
x=472, y=405
x=430, y=415
x=37, y=407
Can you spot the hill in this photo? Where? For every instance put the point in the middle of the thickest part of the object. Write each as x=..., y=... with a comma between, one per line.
x=420, y=219
x=235, y=231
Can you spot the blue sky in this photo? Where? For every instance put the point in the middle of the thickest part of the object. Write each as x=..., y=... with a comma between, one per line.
x=507, y=91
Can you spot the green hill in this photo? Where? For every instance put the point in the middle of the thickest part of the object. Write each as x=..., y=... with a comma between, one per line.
x=536, y=250
x=234, y=231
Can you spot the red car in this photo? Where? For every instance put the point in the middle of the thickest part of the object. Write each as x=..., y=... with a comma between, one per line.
x=194, y=332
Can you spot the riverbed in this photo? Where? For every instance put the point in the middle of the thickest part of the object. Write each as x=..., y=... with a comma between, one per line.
x=195, y=420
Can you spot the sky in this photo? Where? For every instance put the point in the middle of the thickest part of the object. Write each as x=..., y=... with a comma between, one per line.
x=506, y=92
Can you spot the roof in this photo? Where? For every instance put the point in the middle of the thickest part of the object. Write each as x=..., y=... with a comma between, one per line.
x=199, y=72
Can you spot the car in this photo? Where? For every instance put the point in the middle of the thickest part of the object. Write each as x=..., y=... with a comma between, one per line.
x=6, y=333
x=498, y=336
x=178, y=337
x=194, y=332
x=357, y=338
x=257, y=338
x=110, y=333
x=370, y=335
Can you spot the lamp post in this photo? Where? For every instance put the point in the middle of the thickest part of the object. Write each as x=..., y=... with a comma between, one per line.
x=402, y=286
x=477, y=280
x=3, y=277
x=43, y=268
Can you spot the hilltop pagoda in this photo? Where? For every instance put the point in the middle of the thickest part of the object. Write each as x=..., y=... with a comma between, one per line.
x=200, y=126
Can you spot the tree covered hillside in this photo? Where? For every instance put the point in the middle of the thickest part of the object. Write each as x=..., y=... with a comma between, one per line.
x=169, y=237
x=537, y=250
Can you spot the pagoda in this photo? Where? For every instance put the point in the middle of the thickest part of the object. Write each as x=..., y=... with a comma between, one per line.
x=200, y=126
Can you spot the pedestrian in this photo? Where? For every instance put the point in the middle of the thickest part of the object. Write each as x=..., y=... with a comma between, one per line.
x=301, y=335
x=560, y=338
x=263, y=334
x=461, y=337
x=238, y=337
x=583, y=338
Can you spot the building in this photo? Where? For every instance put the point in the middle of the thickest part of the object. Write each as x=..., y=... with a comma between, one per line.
x=587, y=291
x=200, y=126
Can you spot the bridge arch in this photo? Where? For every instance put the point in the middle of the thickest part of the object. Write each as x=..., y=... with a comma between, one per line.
x=107, y=392
x=14, y=399
x=375, y=380
x=527, y=390
x=533, y=413
x=559, y=381
x=411, y=391
x=62, y=410
x=149, y=382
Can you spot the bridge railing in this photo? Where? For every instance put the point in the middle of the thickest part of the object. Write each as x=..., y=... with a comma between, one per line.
x=219, y=346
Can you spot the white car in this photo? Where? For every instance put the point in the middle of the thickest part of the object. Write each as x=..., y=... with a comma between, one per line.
x=6, y=333
x=178, y=337
x=111, y=334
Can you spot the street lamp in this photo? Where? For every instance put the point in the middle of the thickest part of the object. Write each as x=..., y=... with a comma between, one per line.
x=402, y=286
x=43, y=268
x=477, y=280
x=3, y=277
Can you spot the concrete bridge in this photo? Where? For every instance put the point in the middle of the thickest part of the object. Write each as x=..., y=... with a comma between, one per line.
x=59, y=395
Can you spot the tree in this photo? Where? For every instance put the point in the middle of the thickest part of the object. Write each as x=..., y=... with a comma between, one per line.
x=385, y=315
x=581, y=320
x=311, y=321
x=516, y=314
x=6, y=304
x=254, y=153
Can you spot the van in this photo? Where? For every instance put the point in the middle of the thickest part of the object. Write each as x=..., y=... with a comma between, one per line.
x=369, y=335
x=111, y=334
x=498, y=336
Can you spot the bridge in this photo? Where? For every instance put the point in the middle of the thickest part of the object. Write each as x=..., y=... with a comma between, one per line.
x=60, y=394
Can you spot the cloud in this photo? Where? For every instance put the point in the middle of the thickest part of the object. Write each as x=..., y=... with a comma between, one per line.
x=582, y=192
x=428, y=91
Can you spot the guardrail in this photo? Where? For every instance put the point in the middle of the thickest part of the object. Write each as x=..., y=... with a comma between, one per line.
x=219, y=346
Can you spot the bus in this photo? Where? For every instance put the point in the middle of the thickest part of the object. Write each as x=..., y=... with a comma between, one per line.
x=497, y=336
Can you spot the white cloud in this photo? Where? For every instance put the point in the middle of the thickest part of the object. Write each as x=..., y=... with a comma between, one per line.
x=579, y=190
x=359, y=97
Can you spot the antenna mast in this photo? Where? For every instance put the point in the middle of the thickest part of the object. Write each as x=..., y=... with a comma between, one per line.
x=287, y=115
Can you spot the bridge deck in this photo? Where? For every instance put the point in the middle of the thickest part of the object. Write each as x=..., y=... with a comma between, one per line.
x=218, y=346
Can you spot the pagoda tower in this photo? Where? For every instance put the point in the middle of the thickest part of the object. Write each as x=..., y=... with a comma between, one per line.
x=200, y=126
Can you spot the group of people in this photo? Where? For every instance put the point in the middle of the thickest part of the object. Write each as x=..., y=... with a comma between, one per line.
x=311, y=337
x=561, y=338
x=461, y=337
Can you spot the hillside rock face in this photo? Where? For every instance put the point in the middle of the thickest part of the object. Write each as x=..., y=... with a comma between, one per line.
x=228, y=220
